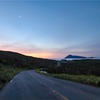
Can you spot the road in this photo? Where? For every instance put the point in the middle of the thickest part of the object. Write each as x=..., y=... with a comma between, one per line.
x=29, y=85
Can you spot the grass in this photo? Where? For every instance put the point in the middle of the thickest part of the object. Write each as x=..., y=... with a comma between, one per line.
x=7, y=73
x=85, y=79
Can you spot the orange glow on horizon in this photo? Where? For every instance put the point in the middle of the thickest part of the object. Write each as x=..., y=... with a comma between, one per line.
x=45, y=54
x=30, y=53
x=40, y=55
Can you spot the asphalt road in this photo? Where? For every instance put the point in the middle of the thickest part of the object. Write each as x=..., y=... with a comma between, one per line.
x=29, y=85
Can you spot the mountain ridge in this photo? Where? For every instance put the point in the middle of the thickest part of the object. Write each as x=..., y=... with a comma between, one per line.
x=75, y=56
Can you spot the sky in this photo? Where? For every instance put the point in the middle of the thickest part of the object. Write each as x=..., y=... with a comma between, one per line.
x=50, y=29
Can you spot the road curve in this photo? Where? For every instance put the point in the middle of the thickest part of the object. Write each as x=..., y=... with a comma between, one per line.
x=29, y=85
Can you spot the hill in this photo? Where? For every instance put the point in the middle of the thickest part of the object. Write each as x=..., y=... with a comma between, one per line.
x=19, y=60
x=74, y=56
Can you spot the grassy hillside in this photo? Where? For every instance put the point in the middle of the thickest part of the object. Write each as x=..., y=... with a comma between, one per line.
x=81, y=67
x=19, y=60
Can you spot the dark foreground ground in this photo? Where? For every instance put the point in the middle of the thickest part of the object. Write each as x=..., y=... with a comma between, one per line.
x=29, y=85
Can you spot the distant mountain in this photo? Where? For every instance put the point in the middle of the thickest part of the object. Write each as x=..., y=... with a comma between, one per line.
x=19, y=60
x=74, y=56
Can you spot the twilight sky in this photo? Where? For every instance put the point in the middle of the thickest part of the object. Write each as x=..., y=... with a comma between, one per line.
x=50, y=29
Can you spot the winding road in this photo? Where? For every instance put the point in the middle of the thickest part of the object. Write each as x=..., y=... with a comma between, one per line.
x=29, y=85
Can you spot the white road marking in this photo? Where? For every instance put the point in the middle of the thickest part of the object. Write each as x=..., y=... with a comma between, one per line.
x=11, y=80
x=63, y=97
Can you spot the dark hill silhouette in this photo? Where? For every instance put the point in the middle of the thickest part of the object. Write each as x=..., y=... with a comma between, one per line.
x=19, y=60
x=74, y=56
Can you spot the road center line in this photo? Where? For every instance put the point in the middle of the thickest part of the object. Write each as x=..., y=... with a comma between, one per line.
x=64, y=98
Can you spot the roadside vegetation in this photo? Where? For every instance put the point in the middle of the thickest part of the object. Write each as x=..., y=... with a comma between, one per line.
x=85, y=79
x=7, y=73
x=83, y=71
x=78, y=67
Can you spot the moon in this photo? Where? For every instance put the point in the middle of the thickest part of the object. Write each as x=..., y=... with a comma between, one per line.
x=19, y=16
